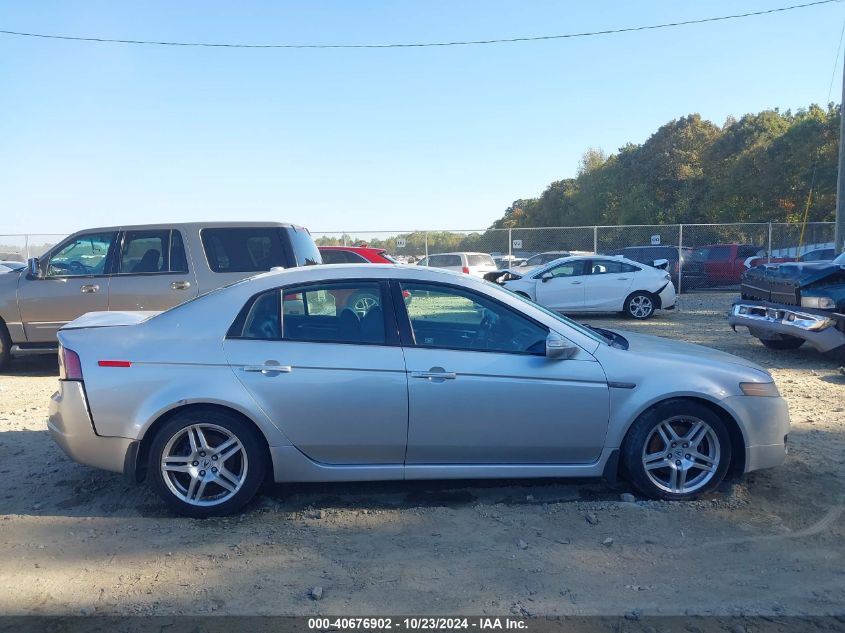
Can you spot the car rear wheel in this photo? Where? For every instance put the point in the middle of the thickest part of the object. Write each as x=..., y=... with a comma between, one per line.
x=207, y=463
x=640, y=305
x=676, y=451
x=787, y=342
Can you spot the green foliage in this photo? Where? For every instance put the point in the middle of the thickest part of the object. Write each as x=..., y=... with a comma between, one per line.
x=755, y=169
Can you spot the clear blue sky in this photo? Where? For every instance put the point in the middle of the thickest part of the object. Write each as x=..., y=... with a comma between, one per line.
x=96, y=134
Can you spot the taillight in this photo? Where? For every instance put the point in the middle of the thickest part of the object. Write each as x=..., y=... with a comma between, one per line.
x=70, y=368
x=466, y=270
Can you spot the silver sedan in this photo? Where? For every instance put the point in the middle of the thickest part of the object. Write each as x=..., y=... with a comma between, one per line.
x=284, y=377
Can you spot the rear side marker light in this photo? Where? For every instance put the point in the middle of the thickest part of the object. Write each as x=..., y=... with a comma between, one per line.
x=114, y=363
x=466, y=270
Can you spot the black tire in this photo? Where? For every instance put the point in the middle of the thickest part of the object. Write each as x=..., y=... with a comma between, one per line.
x=5, y=347
x=255, y=464
x=643, y=437
x=788, y=342
x=640, y=305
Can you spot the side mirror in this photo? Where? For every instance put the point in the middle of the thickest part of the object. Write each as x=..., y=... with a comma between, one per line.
x=558, y=348
x=546, y=277
x=33, y=267
x=662, y=264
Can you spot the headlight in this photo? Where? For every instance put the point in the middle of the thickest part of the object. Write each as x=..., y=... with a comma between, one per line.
x=763, y=389
x=822, y=303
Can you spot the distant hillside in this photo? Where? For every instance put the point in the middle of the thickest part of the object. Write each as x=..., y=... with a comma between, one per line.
x=755, y=169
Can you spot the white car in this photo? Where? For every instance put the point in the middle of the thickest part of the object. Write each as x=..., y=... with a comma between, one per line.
x=476, y=264
x=597, y=284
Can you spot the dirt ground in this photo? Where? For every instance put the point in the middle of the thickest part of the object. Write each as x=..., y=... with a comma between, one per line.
x=74, y=540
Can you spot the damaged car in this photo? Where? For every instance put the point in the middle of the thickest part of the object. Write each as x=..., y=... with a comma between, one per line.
x=787, y=305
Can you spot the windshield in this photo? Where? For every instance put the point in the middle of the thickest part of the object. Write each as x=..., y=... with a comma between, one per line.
x=840, y=259
x=582, y=329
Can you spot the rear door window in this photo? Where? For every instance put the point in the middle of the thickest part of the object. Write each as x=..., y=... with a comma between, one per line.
x=443, y=261
x=321, y=313
x=244, y=249
x=157, y=251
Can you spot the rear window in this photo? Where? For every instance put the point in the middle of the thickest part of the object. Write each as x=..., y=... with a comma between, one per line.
x=441, y=261
x=244, y=249
x=305, y=251
x=480, y=260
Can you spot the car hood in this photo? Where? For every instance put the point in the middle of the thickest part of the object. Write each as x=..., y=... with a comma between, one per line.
x=798, y=274
x=657, y=348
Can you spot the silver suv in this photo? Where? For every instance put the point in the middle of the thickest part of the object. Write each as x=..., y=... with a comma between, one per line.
x=150, y=267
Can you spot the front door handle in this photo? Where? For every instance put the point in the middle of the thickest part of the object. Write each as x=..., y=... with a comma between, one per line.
x=180, y=285
x=89, y=288
x=269, y=369
x=575, y=283
x=435, y=374
x=623, y=278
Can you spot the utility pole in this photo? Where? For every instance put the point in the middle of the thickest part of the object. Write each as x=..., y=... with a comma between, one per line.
x=839, y=234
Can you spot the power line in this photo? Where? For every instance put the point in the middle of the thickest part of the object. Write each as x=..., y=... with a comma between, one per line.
x=511, y=40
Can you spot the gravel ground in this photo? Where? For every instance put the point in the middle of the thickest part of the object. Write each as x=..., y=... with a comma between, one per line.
x=75, y=540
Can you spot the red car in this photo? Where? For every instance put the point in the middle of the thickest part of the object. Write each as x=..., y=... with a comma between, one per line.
x=355, y=255
x=725, y=263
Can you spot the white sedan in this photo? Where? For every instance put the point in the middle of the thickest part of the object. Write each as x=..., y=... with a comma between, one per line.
x=596, y=284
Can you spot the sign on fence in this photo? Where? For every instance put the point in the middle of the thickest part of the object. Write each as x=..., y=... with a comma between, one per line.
x=400, y=242
x=517, y=243
x=655, y=240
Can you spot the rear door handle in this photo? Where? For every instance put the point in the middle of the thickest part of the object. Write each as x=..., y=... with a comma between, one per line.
x=623, y=278
x=434, y=375
x=89, y=288
x=269, y=370
x=180, y=285
x=575, y=283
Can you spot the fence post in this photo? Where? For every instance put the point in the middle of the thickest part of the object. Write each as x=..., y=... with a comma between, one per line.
x=510, y=245
x=26, y=245
x=596, y=240
x=769, y=247
x=680, y=256
x=426, y=247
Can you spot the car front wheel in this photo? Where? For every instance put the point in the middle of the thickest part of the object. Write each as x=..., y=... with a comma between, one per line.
x=640, y=305
x=206, y=463
x=676, y=451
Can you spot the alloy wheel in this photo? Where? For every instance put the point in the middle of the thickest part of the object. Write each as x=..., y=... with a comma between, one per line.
x=204, y=464
x=641, y=307
x=681, y=454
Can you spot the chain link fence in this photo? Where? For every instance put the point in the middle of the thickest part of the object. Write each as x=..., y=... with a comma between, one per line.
x=714, y=255
x=22, y=246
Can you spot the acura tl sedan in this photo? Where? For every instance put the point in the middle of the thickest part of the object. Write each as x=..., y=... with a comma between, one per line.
x=277, y=378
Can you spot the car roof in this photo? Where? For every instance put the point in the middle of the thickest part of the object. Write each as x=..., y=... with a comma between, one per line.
x=460, y=253
x=355, y=249
x=190, y=226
